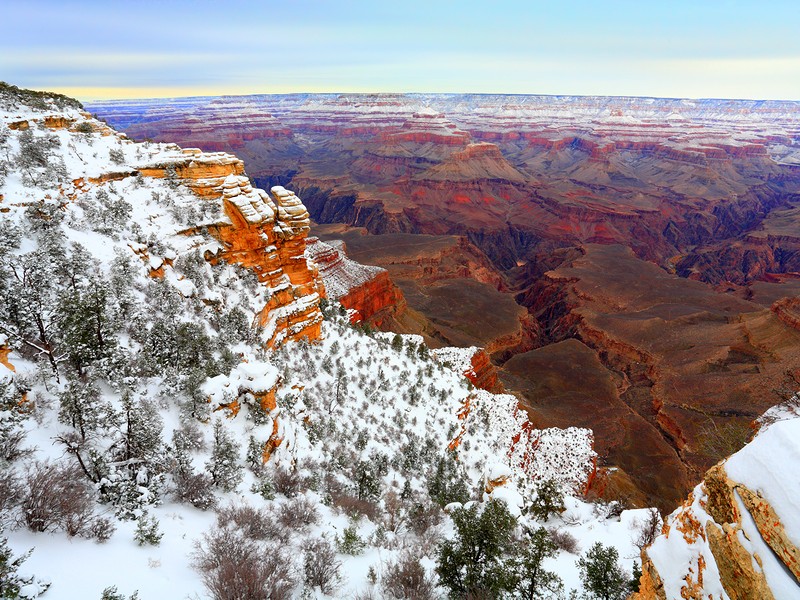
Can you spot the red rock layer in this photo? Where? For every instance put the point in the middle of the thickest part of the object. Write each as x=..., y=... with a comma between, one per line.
x=483, y=374
x=366, y=290
x=264, y=233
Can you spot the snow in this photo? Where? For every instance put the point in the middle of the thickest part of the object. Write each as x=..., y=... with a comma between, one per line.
x=674, y=556
x=756, y=467
x=339, y=274
x=459, y=359
x=780, y=580
x=761, y=466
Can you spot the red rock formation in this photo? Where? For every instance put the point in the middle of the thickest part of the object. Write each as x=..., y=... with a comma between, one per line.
x=364, y=289
x=5, y=350
x=788, y=311
x=483, y=373
x=263, y=232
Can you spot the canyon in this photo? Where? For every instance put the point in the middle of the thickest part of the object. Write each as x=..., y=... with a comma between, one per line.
x=628, y=264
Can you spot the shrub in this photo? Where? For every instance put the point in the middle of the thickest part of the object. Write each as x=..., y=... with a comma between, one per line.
x=298, y=513
x=320, y=566
x=648, y=529
x=234, y=567
x=287, y=482
x=423, y=516
x=350, y=542
x=407, y=579
x=395, y=517
x=603, y=578
x=264, y=488
x=84, y=127
x=111, y=593
x=257, y=524
x=549, y=500
x=474, y=562
x=196, y=489
x=147, y=532
x=564, y=540
x=10, y=491
x=116, y=155
x=101, y=529
x=354, y=507
x=56, y=497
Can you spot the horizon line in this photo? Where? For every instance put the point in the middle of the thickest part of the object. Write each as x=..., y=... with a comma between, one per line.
x=98, y=100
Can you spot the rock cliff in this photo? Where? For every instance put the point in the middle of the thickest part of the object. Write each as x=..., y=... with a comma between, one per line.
x=264, y=232
x=364, y=289
x=260, y=231
x=737, y=535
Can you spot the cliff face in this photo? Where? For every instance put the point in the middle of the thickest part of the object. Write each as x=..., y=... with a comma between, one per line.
x=738, y=532
x=264, y=232
x=267, y=233
x=364, y=289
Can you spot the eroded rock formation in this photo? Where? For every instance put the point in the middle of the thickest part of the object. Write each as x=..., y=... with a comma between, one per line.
x=265, y=232
x=367, y=290
x=737, y=534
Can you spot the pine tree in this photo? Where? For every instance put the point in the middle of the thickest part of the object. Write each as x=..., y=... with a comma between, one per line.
x=476, y=562
x=84, y=323
x=549, y=500
x=143, y=425
x=224, y=467
x=397, y=343
x=534, y=580
x=447, y=482
x=603, y=578
x=10, y=582
x=83, y=408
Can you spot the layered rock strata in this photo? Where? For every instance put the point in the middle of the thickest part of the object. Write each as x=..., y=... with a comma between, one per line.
x=366, y=290
x=267, y=233
x=737, y=535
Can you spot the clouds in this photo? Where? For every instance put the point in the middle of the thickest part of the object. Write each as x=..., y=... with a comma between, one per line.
x=720, y=48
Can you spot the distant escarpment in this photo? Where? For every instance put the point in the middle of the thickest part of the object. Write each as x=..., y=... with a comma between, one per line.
x=519, y=174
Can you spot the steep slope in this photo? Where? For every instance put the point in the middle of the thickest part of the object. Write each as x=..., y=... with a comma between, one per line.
x=366, y=290
x=737, y=534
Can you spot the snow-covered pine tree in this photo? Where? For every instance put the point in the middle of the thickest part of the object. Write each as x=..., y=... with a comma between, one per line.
x=224, y=466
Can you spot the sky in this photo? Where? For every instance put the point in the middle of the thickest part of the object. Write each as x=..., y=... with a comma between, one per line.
x=168, y=48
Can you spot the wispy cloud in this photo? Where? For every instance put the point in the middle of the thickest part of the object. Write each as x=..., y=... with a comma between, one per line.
x=722, y=48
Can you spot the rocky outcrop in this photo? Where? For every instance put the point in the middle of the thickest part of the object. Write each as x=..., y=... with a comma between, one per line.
x=264, y=232
x=474, y=364
x=5, y=350
x=364, y=289
x=737, y=533
x=788, y=311
x=267, y=233
x=483, y=373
